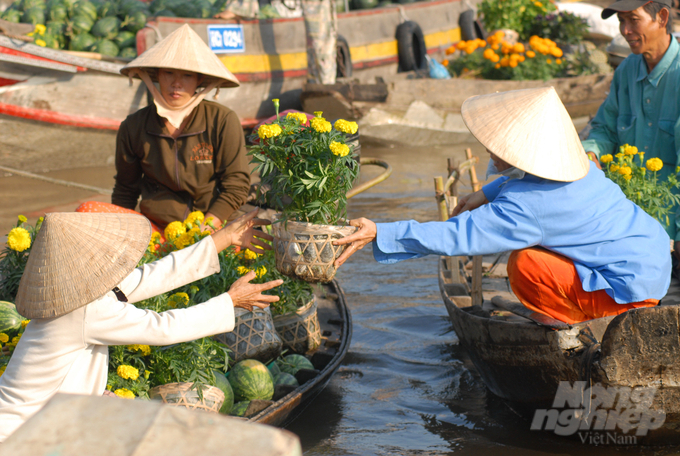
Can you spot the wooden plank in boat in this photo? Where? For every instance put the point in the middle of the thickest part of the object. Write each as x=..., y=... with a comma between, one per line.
x=538, y=318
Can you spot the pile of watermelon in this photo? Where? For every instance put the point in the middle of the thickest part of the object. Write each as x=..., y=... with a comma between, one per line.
x=108, y=27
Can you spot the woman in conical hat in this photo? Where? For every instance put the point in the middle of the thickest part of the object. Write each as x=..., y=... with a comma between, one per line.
x=581, y=250
x=80, y=280
x=181, y=153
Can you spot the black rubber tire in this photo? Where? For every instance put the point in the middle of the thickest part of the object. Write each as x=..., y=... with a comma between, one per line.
x=411, y=46
x=343, y=58
x=466, y=21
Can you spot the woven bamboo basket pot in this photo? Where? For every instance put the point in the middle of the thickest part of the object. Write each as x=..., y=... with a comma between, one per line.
x=181, y=395
x=300, y=331
x=253, y=337
x=306, y=251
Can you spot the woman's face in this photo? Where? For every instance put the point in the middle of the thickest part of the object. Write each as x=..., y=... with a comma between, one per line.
x=177, y=86
x=500, y=164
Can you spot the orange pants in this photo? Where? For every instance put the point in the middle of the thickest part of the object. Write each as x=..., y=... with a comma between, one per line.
x=97, y=206
x=548, y=283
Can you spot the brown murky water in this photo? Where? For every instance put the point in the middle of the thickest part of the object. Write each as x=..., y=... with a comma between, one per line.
x=405, y=387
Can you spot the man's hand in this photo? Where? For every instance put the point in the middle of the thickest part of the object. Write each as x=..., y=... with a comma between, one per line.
x=469, y=202
x=241, y=232
x=593, y=158
x=366, y=233
x=248, y=295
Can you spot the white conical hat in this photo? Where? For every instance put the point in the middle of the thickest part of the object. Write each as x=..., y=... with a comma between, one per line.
x=77, y=258
x=529, y=129
x=184, y=50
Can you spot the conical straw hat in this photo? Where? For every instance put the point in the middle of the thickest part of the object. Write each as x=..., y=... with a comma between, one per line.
x=184, y=50
x=529, y=129
x=77, y=258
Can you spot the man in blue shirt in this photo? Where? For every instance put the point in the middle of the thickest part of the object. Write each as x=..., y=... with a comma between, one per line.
x=581, y=249
x=643, y=105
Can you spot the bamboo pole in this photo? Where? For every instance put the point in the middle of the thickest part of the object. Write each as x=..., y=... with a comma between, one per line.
x=441, y=198
x=477, y=272
x=473, y=172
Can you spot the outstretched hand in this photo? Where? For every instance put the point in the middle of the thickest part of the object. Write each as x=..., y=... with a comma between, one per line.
x=248, y=295
x=366, y=233
x=242, y=232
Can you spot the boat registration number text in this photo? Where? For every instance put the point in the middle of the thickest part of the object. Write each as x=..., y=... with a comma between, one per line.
x=228, y=38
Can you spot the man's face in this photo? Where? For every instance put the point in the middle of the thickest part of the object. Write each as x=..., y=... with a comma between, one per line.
x=640, y=31
x=177, y=87
x=500, y=164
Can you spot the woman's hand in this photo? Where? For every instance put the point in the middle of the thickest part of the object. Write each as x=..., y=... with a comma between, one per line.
x=241, y=232
x=469, y=202
x=248, y=295
x=366, y=233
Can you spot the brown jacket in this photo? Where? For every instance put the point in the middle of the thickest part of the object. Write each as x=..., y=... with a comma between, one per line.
x=204, y=169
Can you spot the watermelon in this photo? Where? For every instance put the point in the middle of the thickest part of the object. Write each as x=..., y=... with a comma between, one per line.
x=165, y=13
x=34, y=15
x=285, y=378
x=107, y=28
x=10, y=320
x=81, y=24
x=250, y=380
x=86, y=8
x=128, y=53
x=106, y=47
x=273, y=369
x=129, y=7
x=51, y=41
x=11, y=16
x=183, y=8
x=293, y=363
x=82, y=42
x=222, y=383
x=28, y=4
x=240, y=408
x=58, y=12
x=125, y=39
x=107, y=8
x=135, y=22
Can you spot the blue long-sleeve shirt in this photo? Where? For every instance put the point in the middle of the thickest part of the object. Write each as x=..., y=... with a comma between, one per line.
x=643, y=110
x=614, y=244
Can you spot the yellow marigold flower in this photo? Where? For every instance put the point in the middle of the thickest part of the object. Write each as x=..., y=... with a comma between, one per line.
x=339, y=149
x=242, y=270
x=249, y=255
x=174, y=229
x=269, y=131
x=22, y=219
x=321, y=125
x=347, y=127
x=40, y=29
x=261, y=271
x=2, y=370
x=127, y=372
x=654, y=164
x=25, y=323
x=630, y=150
x=155, y=237
x=606, y=158
x=539, y=4
x=194, y=217
x=19, y=239
x=628, y=177
x=4, y=338
x=178, y=299
x=613, y=167
x=145, y=349
x=124, y=393
x=301, y=117
x=531, y=54
x=41, y=43
x=625, y=170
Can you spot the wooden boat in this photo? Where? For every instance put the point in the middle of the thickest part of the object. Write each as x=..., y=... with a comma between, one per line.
x=55, y=86
x=336, y=329
x=523, y=356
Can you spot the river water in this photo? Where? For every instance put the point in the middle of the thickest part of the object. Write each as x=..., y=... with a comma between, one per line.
x=406, y=387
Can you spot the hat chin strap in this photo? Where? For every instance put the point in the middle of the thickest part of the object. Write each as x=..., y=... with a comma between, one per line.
x=174, y=115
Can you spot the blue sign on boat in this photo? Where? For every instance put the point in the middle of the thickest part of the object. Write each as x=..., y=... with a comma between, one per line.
x=226, y=38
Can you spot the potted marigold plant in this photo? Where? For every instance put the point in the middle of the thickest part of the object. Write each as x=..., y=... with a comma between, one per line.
x=309, y=168
x=15, y=255
x=640, y=182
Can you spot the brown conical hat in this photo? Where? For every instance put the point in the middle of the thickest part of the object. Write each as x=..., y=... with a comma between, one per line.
x=77, y=258
x=184, y=50
x=529, y=129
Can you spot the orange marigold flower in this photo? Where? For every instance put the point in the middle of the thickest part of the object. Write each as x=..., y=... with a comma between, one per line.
x=518, y=48
x=531, y=54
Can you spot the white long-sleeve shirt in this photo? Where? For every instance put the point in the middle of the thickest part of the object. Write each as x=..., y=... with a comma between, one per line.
x=69, y=354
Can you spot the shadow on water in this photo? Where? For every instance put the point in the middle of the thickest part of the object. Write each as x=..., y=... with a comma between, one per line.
x=406, y=387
